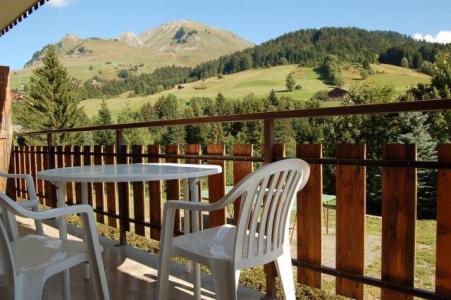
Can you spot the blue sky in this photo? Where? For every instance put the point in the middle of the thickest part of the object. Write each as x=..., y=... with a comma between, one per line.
x=255, y=20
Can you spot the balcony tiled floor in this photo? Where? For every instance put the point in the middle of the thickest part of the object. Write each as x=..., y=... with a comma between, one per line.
x=131, y=274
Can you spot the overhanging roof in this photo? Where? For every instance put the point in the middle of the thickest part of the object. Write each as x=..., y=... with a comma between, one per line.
x=14, y=11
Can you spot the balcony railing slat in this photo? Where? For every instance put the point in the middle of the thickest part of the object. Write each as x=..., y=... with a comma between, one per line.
x=155, y=194
x=350, y=219
x=110, y=187
x=216, y=185
x=443, y=262
x=99, y=187
x=240, y=170
x=33, y=164
x=68, y=162
x=39, y=167
x=47, y=185
x=195, y=150
x=23, y=195
x=399, y=203
x=77, y=163
x=123, y=191
x=87, y=161
x=17, y=170
x=11, y=183
x=138, y=192
x=309, y=217
x=27, y=164
x=173, y=186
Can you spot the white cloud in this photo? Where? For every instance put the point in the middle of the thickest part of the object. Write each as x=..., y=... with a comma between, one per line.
x=59, y=3
x=443, y=37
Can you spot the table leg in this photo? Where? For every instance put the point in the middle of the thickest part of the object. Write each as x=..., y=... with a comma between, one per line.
x=61, y=202
x=194, y=188
x=84, y=200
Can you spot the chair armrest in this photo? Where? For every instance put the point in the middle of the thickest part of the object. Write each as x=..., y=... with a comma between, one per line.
x=197, y=206
x=18, y=176
x=59, y=212
x=29, y=204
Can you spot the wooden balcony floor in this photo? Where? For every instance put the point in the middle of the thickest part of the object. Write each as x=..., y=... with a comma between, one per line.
x=131, y=274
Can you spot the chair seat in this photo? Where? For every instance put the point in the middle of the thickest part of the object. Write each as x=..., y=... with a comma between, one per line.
x=217, y=242
x=35, y=252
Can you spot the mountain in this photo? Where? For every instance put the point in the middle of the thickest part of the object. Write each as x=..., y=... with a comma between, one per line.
x=182, y=43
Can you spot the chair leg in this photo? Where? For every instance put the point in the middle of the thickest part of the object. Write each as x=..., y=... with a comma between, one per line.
x=163, y=274
x=285, y=272
x=98, y=275
x=225, y=280
x=29, y=287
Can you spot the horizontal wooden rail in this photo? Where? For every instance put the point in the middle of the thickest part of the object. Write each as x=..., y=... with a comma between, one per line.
x=397, y=107
x=425, y=294
x=420, y=164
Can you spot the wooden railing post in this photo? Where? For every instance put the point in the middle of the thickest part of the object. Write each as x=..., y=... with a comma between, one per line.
x=216, y=186
x=173, y=186
x=6, y=137
x=268, y=144
x=350, y=219
x=124, y=197
x=240, y=170
x=51, y=165
x=443, y=262
x=110, y=187
x=155, y=206
x=99, y=187
x=309, y=216
x=399, y=203
x=138, y=192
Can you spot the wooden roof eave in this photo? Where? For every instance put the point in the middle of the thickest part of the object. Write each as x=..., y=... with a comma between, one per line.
x=13, y=17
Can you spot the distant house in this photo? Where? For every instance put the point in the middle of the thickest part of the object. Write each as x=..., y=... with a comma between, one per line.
x=336, y=93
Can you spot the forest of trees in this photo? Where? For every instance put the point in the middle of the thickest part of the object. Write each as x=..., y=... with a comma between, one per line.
x=325, y=48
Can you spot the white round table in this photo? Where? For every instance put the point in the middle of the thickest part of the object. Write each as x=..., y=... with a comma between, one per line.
x=131, y=173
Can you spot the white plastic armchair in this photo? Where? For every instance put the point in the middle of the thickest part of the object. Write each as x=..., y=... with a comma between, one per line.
x=32, y=203
x=260, y=237
x=27, y=262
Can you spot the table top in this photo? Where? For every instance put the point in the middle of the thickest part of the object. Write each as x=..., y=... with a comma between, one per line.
x=128, y=172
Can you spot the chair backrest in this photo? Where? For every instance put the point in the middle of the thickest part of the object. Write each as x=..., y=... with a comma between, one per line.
x=266, y=200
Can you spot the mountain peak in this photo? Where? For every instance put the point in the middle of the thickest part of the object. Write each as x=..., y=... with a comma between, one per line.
x=181, y=42
x=131, y=39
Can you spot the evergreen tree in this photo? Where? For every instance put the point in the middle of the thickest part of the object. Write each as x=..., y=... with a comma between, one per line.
x=290, y=83
x=439, y=88
x=53, y=101
x=273, y=100
x=404, y=62
x=104, y=137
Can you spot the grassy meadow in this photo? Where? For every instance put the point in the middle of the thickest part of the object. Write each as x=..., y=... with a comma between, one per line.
x=261, y=81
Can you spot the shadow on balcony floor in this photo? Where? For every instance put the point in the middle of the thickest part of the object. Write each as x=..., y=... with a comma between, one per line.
x=131, y=274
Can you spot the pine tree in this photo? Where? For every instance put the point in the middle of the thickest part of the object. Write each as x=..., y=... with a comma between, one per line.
x=273, y=100
x=105, y=137
x=290, y=83
x=53, y=101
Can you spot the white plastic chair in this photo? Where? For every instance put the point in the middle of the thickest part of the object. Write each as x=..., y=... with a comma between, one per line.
x=32, y=203
x=260, y=237
x=27, y=262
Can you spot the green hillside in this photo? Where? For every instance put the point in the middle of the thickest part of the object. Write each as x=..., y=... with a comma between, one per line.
x=262, y=81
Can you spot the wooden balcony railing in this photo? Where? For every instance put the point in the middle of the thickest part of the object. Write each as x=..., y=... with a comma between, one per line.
x=399, y=195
